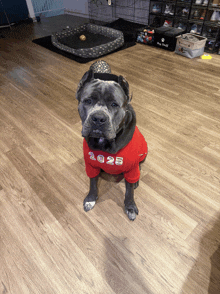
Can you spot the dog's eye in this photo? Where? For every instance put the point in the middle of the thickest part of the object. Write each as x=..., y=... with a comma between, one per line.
x=87, y=101
x=114, y=104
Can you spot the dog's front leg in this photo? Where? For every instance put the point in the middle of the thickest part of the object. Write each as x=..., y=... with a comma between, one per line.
x=130, y=206
x=90, y=200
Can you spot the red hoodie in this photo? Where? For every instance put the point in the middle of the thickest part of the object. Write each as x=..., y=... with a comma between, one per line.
x=125, y=161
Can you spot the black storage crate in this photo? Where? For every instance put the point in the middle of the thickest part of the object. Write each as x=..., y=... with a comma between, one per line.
x=165, y=37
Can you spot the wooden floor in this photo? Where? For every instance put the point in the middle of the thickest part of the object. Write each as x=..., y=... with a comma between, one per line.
x=48, y=244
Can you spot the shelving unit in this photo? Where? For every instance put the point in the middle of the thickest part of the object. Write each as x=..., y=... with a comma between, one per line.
x=198, y=16
x=132, y=10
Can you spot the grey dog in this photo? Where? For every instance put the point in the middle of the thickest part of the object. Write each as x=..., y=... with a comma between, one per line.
x=112, y=142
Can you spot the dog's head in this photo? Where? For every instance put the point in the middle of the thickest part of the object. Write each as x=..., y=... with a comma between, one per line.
x=103, y=101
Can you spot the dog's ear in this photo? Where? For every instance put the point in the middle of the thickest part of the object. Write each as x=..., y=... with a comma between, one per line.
x=125, y=86
x=87, y=77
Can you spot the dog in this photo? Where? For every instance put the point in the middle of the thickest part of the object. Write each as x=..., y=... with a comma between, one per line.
x=112, y=141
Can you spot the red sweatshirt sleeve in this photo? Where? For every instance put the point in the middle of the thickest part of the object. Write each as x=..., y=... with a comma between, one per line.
x=137, y=152
x=91, y=171
x=133, y=175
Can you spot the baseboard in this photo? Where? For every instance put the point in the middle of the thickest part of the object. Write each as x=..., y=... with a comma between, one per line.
x=75, y=13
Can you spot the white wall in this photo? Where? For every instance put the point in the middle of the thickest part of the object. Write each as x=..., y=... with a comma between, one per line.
x=45, y=8
x=77, y=6
x=31, y=9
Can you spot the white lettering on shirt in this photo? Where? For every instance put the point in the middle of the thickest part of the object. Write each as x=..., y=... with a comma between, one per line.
x=109, y=160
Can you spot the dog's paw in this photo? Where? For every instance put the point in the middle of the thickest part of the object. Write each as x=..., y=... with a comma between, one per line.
x=88, y=205
x=89, y=202
x=131, y=211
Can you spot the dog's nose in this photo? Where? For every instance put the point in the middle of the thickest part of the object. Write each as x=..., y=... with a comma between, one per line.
x=99, y=118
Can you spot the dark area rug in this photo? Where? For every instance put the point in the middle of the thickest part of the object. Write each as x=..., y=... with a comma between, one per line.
x=129, y=30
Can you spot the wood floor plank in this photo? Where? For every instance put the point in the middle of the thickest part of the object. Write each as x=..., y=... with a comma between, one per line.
x=10, y=134
x=37, y=128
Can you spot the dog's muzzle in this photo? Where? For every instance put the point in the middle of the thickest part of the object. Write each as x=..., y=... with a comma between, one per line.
x=98, y=124
x=99, y=118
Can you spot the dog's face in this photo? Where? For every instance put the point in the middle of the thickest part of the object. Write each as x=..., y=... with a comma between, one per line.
x=102, y=105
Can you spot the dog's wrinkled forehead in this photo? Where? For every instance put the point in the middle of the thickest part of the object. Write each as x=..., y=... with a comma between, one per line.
x=104, y=90
x=101, y=83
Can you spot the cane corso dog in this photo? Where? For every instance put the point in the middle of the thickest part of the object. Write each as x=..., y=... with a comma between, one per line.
x=112, y=142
